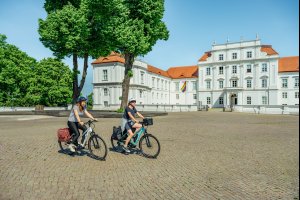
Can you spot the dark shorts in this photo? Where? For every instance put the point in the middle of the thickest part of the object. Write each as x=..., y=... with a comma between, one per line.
x=128, y=125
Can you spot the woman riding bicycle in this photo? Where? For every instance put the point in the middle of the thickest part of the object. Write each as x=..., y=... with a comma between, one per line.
x=75, y=123
x=130, y=121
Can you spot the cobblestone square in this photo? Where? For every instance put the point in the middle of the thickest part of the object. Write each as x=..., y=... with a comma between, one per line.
x=204, y=155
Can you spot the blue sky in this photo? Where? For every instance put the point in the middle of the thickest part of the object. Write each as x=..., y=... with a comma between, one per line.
x=193, y=26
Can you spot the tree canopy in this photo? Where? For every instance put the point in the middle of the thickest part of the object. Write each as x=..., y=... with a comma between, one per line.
x=26, y=82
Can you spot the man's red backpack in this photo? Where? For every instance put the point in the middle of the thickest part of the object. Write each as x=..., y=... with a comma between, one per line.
x=63, y=134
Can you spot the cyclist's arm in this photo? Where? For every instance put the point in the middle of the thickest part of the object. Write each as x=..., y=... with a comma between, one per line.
x=132, y=118
x=140, y=115
x=89, y=115
x=77, y=117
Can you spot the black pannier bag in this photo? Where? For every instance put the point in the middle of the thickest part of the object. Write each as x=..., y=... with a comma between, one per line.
x=148, y=121
x=117, y=133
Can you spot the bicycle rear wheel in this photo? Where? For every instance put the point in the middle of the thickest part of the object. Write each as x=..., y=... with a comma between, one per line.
x=97, y=147
x=150, y=146
x=64, y=147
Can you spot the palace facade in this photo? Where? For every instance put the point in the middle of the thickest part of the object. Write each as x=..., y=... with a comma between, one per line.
x=240, y=73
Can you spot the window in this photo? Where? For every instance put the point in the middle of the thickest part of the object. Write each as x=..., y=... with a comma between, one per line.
x=166, y=85
x=157, y=96
x=142, y=77
x=208, y=71
x=177, y=86
x=296, y=95
x=221, y=57
x=221, y=100
x=153, y=82
x=264, y=83
x=221, y=84
x=194, y=96
x=296, y=82
x=105, y=75
x=157, y=83
x=249, y=69
x=162, y=84
x=105, y=92
x=194, y=85
x=234, y=69
x=208, y=101
x=234, y=83
x=208, y=84
x=249, y=83
x=249, y=101
x=249, y=54
x=221, y=70
x=177, y=96
x=284, y=83
x=141, y=93
x=264, y=67
x=284, y=95
x=234, y=56
x=264, y=100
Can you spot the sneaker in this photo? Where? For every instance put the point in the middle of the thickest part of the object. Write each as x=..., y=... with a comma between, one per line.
x=71, y=148
x=125, y=149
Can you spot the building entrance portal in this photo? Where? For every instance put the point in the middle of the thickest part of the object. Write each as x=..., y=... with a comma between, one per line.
x=233, y=100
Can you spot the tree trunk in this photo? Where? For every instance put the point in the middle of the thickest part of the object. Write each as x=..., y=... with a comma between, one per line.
x=75, y=78
x=84, y=73
x=129, y=59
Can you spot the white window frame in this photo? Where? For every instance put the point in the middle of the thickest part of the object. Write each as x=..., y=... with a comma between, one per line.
x=208, y=84
x=296, y=95
x=249, y=54
x=208, y=100
x=296, y=83
x=221, y=100
x=264, y=100
x=264, y=83
x=221, y=70
x=142, y=78
x=221, y=84
x=285, y=83
x=234, y=83
x=284, y=95
x=177, y=96
x=105, y=75
x=194, y=85
x=264, y=67
x=194, y=96
x=249, y=100
x=249, y=68
x=105, y=91
x=177, y=86
x=208, y=71
x=234, y=56
x=249, y=83
x=234, y=69
x=221, y=57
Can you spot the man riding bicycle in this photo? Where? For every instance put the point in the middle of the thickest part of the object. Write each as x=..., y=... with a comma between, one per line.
x=130, y=122
x=75, y=123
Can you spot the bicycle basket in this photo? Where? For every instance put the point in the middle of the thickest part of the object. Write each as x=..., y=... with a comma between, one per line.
x=64, y=135
x=148, y=121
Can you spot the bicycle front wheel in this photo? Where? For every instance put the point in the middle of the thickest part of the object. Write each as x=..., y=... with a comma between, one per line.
x=149, y=146
x=97, y=147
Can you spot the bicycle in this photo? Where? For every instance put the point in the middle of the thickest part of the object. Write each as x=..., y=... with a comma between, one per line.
x=95, y=143
x=147, y=142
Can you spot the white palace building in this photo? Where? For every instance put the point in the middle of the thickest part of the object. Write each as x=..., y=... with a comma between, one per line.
x=245, y=76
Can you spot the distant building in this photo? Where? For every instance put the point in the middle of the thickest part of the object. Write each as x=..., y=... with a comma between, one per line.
x=240, y=73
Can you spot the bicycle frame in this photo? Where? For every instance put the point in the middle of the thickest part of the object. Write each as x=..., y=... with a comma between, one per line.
x=86, y=135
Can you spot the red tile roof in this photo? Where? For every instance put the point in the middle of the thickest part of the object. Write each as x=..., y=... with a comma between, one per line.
x=288, y=64
x=158, y=71
x=113, y=57
x=174, y=72
x=183, y=72
x=268, y=49
x=205, y=56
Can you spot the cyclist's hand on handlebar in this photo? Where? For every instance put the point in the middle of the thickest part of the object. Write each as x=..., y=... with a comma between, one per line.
x=81, y=123
x=94, y=119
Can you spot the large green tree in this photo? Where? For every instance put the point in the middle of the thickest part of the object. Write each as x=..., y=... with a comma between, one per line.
x=72, y=29
x=136, y=31
x=26, y=82
x=15, y=75
x=53, y=83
